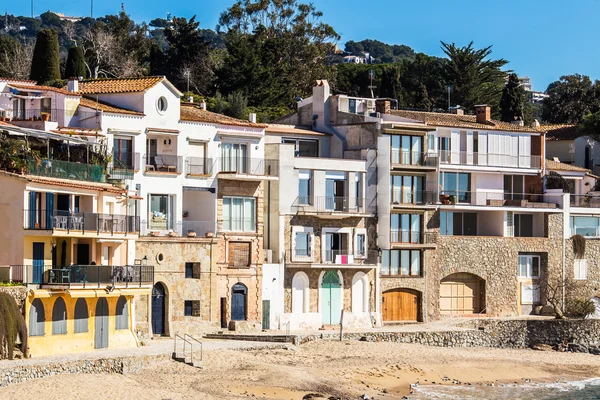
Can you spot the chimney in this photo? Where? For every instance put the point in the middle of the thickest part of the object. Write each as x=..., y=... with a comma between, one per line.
x=252, y=117
x=483, y=114
x=383, y=106
x=320, y=105
x=518, y=122
x=73, y=85
x=203, y=105
x=458, y=110
x=535, y=124
x=191, y=99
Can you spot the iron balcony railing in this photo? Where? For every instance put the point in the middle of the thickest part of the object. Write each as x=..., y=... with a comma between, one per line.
x=199, y=166
x=500, y=199
x=80, y=221
x=119, y=170
x=345, y=257
x=489, y=159
x=411, y=237
x=17, y=273
x=246, y=166
x=585, y=200
x=66, y=170
x=99, y=276
x=329, y=204
x=163, y=163
x=415, y=158
x=406, y=196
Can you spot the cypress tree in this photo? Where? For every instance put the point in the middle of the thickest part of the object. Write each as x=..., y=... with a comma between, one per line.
x=513, y=97
x=45, y=64
x=75, y=66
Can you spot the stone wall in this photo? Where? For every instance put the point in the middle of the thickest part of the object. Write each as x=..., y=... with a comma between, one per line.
x=19, y=293
x=583, y=289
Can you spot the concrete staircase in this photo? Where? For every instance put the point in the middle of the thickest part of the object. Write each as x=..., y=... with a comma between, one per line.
x=189, y=350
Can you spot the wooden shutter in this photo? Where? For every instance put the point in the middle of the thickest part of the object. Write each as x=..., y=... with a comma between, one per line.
x=196, y=308
x=239, y=254
x=196, y=270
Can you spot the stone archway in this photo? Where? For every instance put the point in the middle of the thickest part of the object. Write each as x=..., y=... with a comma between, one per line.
x=462, y=294
x=401, y=304
x=159, y=309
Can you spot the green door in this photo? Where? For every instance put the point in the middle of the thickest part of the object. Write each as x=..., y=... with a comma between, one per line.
x=331, y=298
x=266, y=314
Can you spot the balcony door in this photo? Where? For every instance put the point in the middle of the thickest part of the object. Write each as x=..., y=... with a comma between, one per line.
x=335, y=191
x=234, y=158
x=336, y=246
x=152, y=150
x=123, y=152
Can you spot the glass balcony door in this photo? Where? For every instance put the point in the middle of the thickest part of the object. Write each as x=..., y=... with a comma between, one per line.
x=234, y=158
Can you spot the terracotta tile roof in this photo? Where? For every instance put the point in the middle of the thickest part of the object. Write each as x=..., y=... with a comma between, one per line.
x=561, y=131
x=559, y=166
x=106, y=187
x=292, y=129
x=106, y=107
x=66, y=130
x=460, y=121
x=39, y=88
x=118, y=85
x=196, y=114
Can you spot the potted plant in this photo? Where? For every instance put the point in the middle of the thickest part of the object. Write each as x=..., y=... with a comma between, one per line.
x=185, y=214
x=154, y=233
x=172, y=233
x=45, y=116
x=452, y=199
x=191, y=233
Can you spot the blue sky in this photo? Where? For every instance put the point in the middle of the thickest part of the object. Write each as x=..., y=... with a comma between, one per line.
x=543, y=39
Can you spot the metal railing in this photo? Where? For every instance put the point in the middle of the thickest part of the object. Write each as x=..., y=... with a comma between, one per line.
x=17, y=273
x=80, y=221
x=341, y=257
x=118, y=170
x=66, y=170
x=329, y=204
x=185, y=341
x=411, y=237
x=417, y=158
x=585, y=200
x=98, y=276
x=246, y=166
x=400, y=196
x=190, y=337
x=489, y=159
x=199, y=166
x=35, y=114
x=501, y=199
x=163, y=163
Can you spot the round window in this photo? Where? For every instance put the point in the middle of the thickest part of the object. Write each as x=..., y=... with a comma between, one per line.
x=161, y=104
x=160, y=257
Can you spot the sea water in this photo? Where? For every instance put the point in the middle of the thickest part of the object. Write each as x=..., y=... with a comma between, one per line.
x=580, y=390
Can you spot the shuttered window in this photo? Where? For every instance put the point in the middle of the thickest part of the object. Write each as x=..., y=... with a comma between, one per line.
x=191, y=308
x=37, y=318
x=81, y=316
x=192, y=270
x=239, y=254
x=59, y=317
x=122, y=314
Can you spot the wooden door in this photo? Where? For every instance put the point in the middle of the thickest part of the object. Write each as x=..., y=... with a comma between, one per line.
x=101, y=325
x=460, y=294
x=238, y=302
x=400, y=305
x=266, y=314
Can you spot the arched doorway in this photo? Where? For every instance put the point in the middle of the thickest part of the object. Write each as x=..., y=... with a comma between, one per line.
x=159, y=302
x=462, y=294
x=401, y=305
x=101, y=324
x=239, y=292
x=331, y=296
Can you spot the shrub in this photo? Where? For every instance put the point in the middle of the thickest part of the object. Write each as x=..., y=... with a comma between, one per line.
x=12, y=324
x=580, y=308
x=578, y=246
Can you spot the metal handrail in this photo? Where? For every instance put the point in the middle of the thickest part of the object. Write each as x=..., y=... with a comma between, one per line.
x=184, y=342
x=196, y=340
x=287, y=330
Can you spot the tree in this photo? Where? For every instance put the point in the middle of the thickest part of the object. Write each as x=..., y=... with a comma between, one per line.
x=45, y=64
x=512, y=100
x=570, y=99
x=15, y=58
x=276, y=49
x=75, y=66
x=476, y=78
x=238, y=104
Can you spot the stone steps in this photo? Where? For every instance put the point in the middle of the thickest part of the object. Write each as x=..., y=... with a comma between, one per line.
x=252, y=338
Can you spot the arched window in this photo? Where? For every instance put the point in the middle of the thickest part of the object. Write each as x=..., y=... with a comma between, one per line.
x=300, y=293
x=59, y=317
x=122, y=314
x=37, y=318
x=81, y=316
x=360, y=293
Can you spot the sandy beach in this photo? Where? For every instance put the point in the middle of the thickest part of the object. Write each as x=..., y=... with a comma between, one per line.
x=346, y=369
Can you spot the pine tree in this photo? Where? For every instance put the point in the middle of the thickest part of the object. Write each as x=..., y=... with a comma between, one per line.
x=75, y=66
x=512, y=100
x=45, y=64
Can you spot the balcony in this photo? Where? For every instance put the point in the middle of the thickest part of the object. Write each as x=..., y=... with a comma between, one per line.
x=334, y=257
x=402, y=197
x=121, y=171
x=404, y=158
x=500, y=199
x=489, y=160
x=412, y=238
x=66, y=170
x=585, y=200
x=163, y=164
x=331, y=206
x=93, y=276
x=83, y=222
x=245, y=168
x=199, y=166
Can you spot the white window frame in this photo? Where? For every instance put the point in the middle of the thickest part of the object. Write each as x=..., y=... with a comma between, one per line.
x=346, y=231
x=311, y=241
x=529, y=274
x=357, y=232
x=580, y=269
x=243, y=222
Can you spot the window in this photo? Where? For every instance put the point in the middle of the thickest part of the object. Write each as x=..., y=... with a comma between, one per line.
x=81, y=316
x=358, y=191
x=122, y=314
x=161, y=211
x=303, y=244
x=580, y=269
x=304, y=187
x=458, y=224
x=192, y=270
x=529, y=267
x=191, y=308
x=59, y=317
x=360, y=245
x=405, y=228
x=401, y=262
x=239, y=254
x=585, y=226
x=406, y=189
x=123, y=153
x=239, y=214
x=523, y=225
x=303, y=147
x=444, y=149
x=431, y=142
x=37, y=318
x=234, y=157
x=456, y=184
x=513, y=187
x=161, y=104
x=407, y=150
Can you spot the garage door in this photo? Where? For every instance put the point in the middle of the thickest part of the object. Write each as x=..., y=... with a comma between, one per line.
x=400, y=305
x=461, y=294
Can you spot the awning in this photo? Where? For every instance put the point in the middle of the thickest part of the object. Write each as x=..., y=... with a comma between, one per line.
x=39, y=294
x=124, y=132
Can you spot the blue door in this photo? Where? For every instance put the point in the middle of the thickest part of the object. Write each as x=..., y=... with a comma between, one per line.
x=158, y=309
x=38, y=262
x=331, y=298
x=238, y=302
